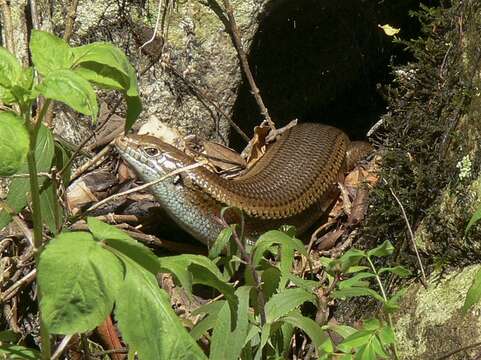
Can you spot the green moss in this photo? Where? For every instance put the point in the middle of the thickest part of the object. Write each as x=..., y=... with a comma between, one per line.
x=434, y=324
x=429, y=134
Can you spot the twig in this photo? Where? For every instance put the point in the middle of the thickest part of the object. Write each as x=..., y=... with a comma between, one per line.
x=7, y=26
x=411, y=235
x=61, y=347
x=70, y=22
x=96, y=160
x=448, y=355
x=156, y=28
x=149, y=184
x=234, y=30
x=205, y=100
x=86, y=140
x=12, y=290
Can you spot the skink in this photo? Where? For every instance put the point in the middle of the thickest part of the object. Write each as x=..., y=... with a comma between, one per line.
x=293, y=183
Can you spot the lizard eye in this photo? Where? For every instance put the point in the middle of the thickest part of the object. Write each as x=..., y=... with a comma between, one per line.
x=151, y=151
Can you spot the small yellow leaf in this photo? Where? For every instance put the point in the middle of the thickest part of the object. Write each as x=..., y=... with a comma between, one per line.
x=389, y=30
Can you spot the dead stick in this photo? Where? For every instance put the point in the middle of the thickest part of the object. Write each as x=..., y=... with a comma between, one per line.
x=245, y=64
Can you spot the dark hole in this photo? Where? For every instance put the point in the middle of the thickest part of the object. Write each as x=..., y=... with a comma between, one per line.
x=324, y=61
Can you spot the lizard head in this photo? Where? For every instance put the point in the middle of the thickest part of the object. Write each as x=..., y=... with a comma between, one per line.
x=149, y=156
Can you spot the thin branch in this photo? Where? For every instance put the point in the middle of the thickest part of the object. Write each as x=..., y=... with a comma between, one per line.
x=411, y=235
x=13, y=290
x=96, y=160
x=61, y=347
x=70, y=22
x=234, y=30
x=149, y=184
x=464, y=348
x=156, y=29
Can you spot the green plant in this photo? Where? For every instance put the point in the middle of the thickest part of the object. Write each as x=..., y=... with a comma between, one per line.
x=64, y=74
x=84, y=276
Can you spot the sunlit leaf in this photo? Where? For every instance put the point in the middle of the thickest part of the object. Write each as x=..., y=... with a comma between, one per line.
x=79, y=281
x=49, y=52
x=14, y=143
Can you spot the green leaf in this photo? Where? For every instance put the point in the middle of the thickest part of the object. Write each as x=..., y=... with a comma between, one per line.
x=78, y=281
x=18, y=352
x=309, y=326
x=356, y=280
x=342, y=330
x=14, y=143
x=212, y=310
x=386, y=335
x=102, y=53
x=20, y=187
x=221, y=242
x=474, y=219
x=384, y=249
x=227, y=344
x=146, y=319
x=377, y=347
x=356, y=291
x=270, y=281
x=400, y=271
x=49, y=53
x=68, y=87
x=196, y=269
x=107, y=66
x=120, y=241
x=351, y=258
x=10, y=69
x=275, y=237
x=52, y=212
x=358, y=339
x=284, y=302
x=474, y=292
x=9, y=336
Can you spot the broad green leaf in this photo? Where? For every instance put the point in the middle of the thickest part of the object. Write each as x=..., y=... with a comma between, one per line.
x=356, y=280
x=474, y=292
x=227, y=344
x=270, y=281
x=342, y=330
x=19, y=189
x=49, y=53
x=52, y=212
x=386, y=335
x=474, y=219
x=14, y=143
x=108, y=66
x=70, y=88
x=356, y=291
x=309, y=326
x=275, y=237
x=104, y=54
x=208, y=322
x=400, y=271
x=196, y=269
x=366, y=352
x=392, y=305
x=378, y=348
x=308, y=285
x=79, y=281
x=284, y=302
x=371, y=324
x=18, y=352
x=146, y=319
x=10, y=69
x=62, y=156
x=351, y=258
x=221, y=242
x=122, y=242
x=384, y=249
x=356, y=340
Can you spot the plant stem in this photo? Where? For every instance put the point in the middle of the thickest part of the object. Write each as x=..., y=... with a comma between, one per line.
x=36, y=217
x=391, y=324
